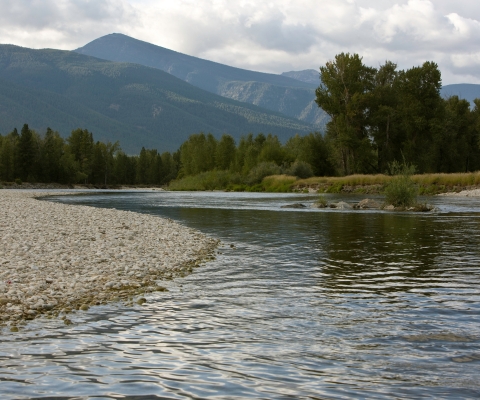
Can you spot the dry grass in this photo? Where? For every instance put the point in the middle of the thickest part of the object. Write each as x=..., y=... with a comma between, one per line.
x=449, y=180
x=350, y=180
x=279, y=183
x=457, y=179
x=426, y=183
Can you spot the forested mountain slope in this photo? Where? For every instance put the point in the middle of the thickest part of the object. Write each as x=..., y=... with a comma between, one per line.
x=274, y=92
x=138, y=105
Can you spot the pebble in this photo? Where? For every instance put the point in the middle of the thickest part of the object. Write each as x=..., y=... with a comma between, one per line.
x=56, y=257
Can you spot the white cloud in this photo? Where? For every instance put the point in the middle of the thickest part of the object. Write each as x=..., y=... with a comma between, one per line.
x=271, y=36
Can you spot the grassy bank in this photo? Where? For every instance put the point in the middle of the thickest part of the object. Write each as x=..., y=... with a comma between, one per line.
x=427, y=184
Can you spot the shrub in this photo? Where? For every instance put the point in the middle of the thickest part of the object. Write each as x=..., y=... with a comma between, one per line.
x=262, y=170
x=301, y=169
x=401, y=190
x=18, y=181
x=321, y=202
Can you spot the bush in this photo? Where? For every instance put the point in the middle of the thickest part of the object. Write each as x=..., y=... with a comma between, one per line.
x=321, y=202
x=262, y=170
x=301, y=169
x=18, y=181
x=401, y=190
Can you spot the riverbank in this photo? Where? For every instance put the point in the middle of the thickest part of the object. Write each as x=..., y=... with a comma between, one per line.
x=463, y=193
x=60, y=186
x=56, y=258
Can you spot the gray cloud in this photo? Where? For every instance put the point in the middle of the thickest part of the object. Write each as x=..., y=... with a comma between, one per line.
x=62, y=23
x=269, y=36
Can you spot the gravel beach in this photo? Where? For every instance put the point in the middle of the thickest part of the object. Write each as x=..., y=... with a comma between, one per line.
x=55, y=258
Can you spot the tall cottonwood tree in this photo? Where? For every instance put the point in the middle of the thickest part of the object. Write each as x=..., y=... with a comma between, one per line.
x=345, y=94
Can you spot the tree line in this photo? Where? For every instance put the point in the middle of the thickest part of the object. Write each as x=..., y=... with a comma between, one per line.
x=378, y=117
x=381, y=115
x=31, y=157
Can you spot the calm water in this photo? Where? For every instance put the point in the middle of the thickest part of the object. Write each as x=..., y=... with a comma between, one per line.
x=314, y=304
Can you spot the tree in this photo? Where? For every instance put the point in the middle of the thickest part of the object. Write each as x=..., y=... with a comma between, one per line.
x=225, y=152
x=51, y=152
x=344, y=94
x=9, y=157
x=197, y=154
x=81, y=145
x=420, y=112
x=312, y=149
x=383, y=116
x=26, y=154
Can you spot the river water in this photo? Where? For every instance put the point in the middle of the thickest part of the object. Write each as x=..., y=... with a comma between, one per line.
x=300, y=303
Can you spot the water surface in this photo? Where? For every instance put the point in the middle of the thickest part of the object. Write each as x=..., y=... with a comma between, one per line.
x=307, y=303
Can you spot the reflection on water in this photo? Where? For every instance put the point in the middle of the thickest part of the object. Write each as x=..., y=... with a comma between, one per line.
x=307, y=304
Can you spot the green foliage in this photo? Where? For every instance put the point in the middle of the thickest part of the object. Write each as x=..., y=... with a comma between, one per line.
x=301, y=169
x=78, y=159
x=345, y=96
x=321, y=201
x=401, y=190
x=378, y=115
x=262, y=170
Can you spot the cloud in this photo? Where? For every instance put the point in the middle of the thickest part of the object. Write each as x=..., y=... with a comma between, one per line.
x=273, y=36
x=64, y=24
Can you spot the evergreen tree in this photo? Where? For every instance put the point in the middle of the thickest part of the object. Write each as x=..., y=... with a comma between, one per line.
x=26, y=154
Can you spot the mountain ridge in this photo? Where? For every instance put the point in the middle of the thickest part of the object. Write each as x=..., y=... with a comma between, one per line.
x=271, y=91
x=138, y=105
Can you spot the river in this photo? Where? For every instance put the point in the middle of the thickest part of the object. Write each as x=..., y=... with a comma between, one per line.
x=299, y=303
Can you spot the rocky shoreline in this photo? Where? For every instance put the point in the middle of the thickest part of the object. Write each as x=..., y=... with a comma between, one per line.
x=463, y=193
x=57, y=258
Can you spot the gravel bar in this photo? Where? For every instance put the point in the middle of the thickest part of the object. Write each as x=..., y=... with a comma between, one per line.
x=56, y=258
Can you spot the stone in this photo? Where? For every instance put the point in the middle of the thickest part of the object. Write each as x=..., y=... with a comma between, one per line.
x=55, y=256
x=368, y=204
x=341, y=205
x=294, y=205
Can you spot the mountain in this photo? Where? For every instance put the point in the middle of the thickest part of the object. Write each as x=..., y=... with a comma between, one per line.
x=278, y=93
x=137, y=105
x=465, y=91
x=310, y=76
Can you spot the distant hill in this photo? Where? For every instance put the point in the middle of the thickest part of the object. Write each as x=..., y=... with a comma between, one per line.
x=138, y=105
x=310, y=76
x=279, y=93
x=465, y=91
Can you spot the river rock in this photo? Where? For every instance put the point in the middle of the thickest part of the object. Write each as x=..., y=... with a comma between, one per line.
x=366, y=204
x=341, y=205
x=294, y=205
x=55, y=256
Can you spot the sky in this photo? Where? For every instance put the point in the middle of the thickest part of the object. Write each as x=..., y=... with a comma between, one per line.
x=269, y=36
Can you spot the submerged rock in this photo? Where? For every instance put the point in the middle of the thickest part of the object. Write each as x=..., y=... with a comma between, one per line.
x=294, y=205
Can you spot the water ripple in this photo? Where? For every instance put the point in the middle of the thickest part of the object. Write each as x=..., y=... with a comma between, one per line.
x=305, y=305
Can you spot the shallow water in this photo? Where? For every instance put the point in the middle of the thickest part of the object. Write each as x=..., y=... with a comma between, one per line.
x=307, y=304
